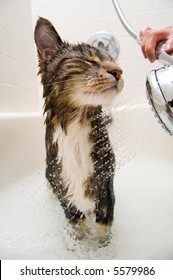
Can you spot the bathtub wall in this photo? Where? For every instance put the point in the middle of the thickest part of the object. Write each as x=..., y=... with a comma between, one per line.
x=77, y=20
x=18, y=84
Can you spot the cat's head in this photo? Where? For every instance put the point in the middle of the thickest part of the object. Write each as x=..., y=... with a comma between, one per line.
x=76, y=74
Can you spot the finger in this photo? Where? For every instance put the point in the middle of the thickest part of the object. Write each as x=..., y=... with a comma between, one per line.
x=150, y=41
x=144, y=35
x=150, y=49
x=169, y=46
x=143, y=48
x=143, y=31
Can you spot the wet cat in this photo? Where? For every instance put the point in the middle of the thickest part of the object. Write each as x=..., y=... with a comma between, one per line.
x=79, y=81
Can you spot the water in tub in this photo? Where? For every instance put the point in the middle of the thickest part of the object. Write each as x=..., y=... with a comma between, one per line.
x=33, y=225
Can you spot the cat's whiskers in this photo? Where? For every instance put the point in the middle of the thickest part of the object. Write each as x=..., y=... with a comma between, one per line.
x=54, y=93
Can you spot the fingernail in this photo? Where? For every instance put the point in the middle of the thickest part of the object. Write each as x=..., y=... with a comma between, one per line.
x=151, y=59
x=167, y=47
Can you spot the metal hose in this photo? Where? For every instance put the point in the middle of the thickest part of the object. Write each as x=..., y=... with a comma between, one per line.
x=124, y=21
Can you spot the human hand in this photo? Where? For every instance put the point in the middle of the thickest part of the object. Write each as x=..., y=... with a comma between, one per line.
x=150, y=38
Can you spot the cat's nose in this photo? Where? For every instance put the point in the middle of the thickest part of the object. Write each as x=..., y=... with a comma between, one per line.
x=116, y=73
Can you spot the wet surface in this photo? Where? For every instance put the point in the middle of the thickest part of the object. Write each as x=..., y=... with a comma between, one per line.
x=33, y=225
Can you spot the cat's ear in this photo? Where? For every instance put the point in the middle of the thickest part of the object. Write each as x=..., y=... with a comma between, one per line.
x=46, y=38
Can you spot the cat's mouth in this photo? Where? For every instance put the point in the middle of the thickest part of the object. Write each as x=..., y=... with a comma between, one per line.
x=113, y=88
x=118, y=86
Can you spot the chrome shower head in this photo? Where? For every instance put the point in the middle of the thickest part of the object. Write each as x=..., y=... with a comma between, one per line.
x=159, y=82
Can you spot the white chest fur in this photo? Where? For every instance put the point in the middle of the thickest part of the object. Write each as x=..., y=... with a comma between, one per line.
x=74, y=150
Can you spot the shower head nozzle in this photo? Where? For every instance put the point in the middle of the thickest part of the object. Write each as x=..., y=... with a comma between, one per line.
x=159, y=85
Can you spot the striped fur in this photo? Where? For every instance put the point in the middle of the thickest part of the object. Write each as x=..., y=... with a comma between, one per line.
x=79, y=81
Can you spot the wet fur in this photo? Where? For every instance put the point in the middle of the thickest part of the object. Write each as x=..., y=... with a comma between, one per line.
x=78, y=82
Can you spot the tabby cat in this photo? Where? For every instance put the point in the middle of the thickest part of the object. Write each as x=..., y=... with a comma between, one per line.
x=79, y=81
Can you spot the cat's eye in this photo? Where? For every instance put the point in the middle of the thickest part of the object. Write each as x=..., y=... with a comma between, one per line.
x=93, y=62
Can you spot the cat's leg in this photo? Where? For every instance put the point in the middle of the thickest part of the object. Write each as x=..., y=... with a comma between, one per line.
x=71, y=212
x=105, y=203
x=105, y=212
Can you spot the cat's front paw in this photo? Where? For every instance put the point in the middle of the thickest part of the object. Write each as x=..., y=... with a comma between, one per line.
x=104, y=216
x=105, y=203
x=103, y=235
x=72, y=213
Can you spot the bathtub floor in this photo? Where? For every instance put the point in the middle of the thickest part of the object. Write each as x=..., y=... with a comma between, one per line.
x=33, y=225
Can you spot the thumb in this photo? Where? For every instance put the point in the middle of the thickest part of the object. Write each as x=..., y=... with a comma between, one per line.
x=169, y=46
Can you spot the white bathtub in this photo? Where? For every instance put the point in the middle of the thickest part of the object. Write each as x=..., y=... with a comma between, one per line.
x=33, y=225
